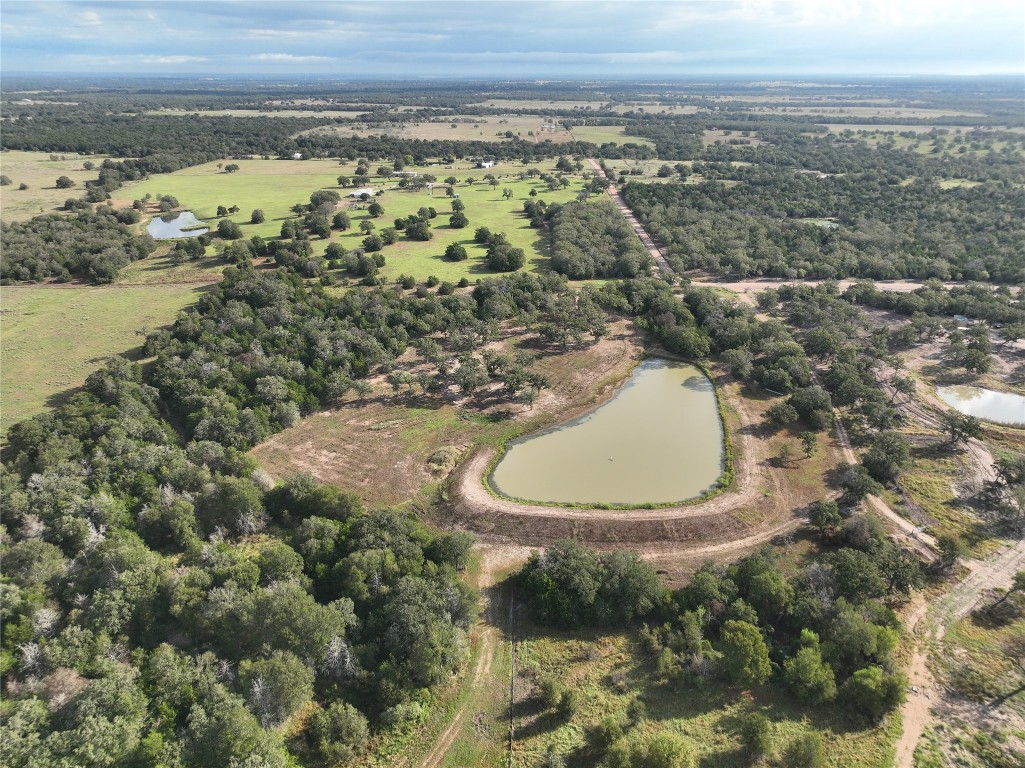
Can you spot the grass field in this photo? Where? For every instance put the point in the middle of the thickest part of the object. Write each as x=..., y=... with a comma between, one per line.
x=602, y=134
x=54, y=337
x=890, y=112
x=276, y=185
x=485, y=206
x=710, y=137
x=655, y=108
x=608, y=671
x=540, y=104
x=40, y=173
x=459, y=128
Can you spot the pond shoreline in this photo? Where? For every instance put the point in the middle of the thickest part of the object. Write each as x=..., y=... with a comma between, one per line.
x=661, y=453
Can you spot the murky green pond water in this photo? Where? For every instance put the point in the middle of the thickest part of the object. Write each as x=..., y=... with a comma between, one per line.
x=171, y=225
x=658, y=440
x=1002, y=407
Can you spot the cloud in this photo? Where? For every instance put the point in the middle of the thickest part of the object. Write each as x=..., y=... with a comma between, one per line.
x=289, y=58
x=172, y=59
x=90, y=19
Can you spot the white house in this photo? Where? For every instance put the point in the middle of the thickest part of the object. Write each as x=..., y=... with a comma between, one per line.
x=486, y=164
x=297, y=155
x=362, y=191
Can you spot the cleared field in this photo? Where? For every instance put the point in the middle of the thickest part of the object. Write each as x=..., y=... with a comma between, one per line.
x=381, y=448
x=784, y=97
x=157, y=269
x=327, y=113
x=886, y=128
x=485, y=207
x=655, y=108
x=603, y=134
x=710, y=137
x=540, y=104
x=648, y=171
x=271, y=185
x=40, y=173
x=459, y=128
x=609, y=671
x=910, y=112
x=54, y=337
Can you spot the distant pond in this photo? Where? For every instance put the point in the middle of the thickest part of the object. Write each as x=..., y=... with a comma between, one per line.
x=658, y=440
x=171, y=225
x=1001, y=407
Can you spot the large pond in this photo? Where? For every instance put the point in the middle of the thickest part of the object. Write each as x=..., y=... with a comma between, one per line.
x=1002, y=407
x=658, y=440
x=170, y=225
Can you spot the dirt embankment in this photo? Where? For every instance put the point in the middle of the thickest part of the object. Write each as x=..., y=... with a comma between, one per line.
x=759, y=505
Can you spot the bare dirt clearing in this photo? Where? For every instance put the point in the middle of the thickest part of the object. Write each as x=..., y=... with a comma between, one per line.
x=381, y=448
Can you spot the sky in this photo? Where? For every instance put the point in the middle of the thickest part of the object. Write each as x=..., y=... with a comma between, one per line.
x=553, y=39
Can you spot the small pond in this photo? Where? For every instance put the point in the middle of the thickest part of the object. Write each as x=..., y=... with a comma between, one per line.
x=170, y=225
x=658, y=440
x=1002, y=407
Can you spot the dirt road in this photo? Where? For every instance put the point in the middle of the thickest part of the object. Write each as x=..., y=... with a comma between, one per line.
x=929, y=622
x=494, y=560
x=642, y=233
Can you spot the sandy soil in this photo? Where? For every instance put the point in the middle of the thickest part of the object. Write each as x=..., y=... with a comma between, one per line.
x=926, y=699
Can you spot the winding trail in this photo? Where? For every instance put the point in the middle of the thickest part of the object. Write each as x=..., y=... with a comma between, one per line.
x=929, y=622
x=494, y=560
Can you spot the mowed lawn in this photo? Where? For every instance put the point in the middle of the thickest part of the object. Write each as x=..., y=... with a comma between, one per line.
x=40, y=173
x=276, y=185
x=52, y=338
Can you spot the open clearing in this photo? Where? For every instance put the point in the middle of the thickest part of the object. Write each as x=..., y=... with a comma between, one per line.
x=914, y=113
x=604, y=134
x=655, y=108
x=40, y=173
x=381, y=448
x=556, y=104
x=459, y=128
x=53, y=337
x=609, y=669
x=719, y=136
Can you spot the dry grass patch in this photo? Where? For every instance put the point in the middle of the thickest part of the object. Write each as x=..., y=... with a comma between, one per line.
x=40, y=173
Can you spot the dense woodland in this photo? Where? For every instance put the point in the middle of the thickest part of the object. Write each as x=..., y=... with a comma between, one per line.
x=164, y=605
x=94, y=245
x=882, y=230
x=594, y=240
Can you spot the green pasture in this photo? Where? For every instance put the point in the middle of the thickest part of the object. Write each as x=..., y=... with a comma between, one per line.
x=485, y=207
x=276, y=185
x=53, y=338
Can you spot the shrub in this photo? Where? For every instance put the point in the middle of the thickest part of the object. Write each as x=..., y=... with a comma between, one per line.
x=456, y=252
x=805, y=752
x=755, y=734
